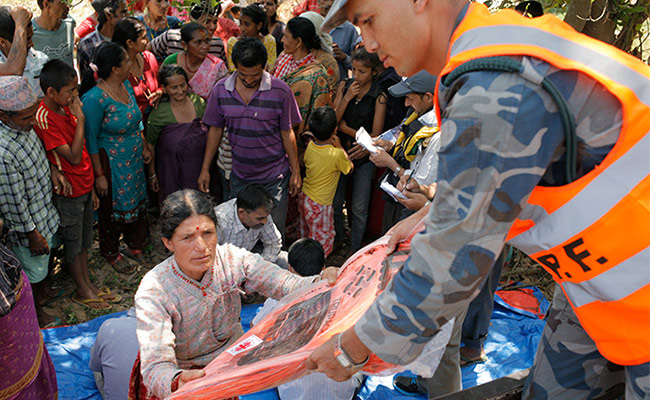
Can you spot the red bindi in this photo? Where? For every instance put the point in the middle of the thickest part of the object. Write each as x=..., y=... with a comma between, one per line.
x=197, y=228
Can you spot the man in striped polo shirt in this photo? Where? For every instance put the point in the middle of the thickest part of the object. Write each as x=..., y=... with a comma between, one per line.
x=259, y=112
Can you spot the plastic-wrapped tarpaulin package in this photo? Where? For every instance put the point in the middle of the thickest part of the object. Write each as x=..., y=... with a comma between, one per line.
x=274, y=351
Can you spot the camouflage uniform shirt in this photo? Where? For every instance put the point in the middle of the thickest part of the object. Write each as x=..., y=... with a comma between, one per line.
x=501, y=135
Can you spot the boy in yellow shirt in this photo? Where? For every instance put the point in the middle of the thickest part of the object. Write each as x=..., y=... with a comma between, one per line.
x=325, y=159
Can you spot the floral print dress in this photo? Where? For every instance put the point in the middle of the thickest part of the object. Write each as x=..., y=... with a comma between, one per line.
x=115, y=127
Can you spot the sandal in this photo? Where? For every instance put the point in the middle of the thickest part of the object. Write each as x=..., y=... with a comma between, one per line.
x=106, y=295
x=123, y=266
x=466, y=362
x=137, y=255
x=87, y=302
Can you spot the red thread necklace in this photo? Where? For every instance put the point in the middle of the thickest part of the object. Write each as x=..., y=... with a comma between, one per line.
x=192, y=281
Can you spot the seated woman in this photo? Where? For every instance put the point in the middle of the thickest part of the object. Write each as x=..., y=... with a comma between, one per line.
x=188, y=306
x=203, y=69
x=131, y=34
x=253, y=23
x=176, y=135
x=300, y=70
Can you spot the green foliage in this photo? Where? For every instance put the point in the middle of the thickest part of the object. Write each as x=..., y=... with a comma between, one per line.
x=70, y=316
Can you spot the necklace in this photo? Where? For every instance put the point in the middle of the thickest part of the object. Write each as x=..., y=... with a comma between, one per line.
x=115, y=96
x=192, y=281
x=187, y=66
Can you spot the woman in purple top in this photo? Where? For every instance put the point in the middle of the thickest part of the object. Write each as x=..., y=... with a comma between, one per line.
x=176, y=135
x=188, y=306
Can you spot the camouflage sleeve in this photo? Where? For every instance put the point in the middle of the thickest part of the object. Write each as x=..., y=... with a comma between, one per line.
x=499, y=134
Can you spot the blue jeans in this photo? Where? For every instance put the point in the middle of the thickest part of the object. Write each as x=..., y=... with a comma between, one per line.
x=361, y=179
x=278, y=189
x=479, y=314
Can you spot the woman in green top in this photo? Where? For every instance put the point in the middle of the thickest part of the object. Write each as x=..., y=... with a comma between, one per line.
x=175, y=134
x=202, y=69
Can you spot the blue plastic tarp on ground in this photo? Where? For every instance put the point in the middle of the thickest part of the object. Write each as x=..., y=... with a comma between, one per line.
x=510, y=346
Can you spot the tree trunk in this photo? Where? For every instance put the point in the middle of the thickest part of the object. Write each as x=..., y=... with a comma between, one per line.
x=596, y=18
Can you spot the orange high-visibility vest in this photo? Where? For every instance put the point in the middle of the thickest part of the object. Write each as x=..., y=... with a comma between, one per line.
x=593, y=234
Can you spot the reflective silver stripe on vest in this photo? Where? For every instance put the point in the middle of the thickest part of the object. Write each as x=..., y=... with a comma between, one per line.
x=529, y=36
x=589, y=204
x=614, y=284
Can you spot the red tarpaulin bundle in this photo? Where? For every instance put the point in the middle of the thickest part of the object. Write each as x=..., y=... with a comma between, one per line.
x=274, y=351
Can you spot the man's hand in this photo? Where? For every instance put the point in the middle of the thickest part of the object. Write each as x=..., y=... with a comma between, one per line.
x=323, y=360
x=295, y=183
x=383, y=143
x=411, y=185
x=22, y=17
x=60, y=184
x=101, y=186
x=37, y=243
x=204, y=181
x=330, y=274
x=383, y=159
x=357, y=152
x=414, y=201
x=402, y=230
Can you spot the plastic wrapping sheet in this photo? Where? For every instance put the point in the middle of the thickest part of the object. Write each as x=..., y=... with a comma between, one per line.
x=274, y=351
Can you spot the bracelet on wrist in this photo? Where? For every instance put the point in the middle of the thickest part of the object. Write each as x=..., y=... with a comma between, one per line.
x=153, y=176
x=397, y=170
x=99, y=173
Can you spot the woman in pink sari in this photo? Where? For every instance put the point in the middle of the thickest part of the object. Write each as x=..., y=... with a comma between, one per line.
x=203, y=69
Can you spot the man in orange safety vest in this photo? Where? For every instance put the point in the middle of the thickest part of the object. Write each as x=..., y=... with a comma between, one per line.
x=544, y=146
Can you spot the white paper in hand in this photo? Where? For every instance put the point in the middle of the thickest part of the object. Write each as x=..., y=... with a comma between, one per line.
x=391, y=190
x=364, y=139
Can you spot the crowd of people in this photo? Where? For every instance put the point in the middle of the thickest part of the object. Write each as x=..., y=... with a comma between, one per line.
x=243, y=134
